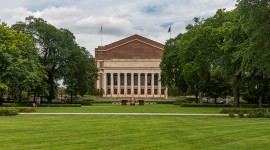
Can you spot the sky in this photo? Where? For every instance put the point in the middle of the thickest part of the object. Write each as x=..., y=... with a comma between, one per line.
x=118, y=18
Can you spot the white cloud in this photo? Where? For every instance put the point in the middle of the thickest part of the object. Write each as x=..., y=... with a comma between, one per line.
x=119, y=18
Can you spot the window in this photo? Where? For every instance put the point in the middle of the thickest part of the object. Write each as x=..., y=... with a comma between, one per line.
x=156, y=79
x=135, y=79
x=122, y=79
x=115, y=79
x=142, y=79
x=149, y=79
x=108, y=79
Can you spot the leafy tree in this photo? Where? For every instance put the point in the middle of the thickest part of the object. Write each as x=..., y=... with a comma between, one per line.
x=61, y=56
x=171, y=71
x=255, y=22
x=20, y=68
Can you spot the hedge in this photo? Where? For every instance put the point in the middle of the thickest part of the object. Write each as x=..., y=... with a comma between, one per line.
x=59, y=105
x=41, y=105
x=8, y=112
x=165, y=102
x=254, y=105
x=251, y=113
x=204, y=105
x=15, y=104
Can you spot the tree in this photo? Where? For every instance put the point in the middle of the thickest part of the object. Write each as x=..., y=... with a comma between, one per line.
x=171, y=71
x=255, y=22
x=61, y=56
x=20, y=68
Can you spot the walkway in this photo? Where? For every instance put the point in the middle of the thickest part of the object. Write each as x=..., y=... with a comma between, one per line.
x=132, y=114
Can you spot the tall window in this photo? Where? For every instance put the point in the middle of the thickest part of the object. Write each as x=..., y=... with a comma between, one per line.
x=128, y=79
x=135, y=79
x=108, y=79
x=115, y=79
x=142, y=79
x=122, y=81
x=149, y=78
x=156, y=79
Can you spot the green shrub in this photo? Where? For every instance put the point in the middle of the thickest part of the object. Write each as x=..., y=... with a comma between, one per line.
x=140, y=101
x=241, y=114
x=165, y=102
x=124, y=101
x=59, y=105
x=232, y=115
x=87, y=102
x=234, y=110
x=254, y=105
x=8, y=112
x=11, y=105
x=102, y=102
x=26, y=109
x=204, y=105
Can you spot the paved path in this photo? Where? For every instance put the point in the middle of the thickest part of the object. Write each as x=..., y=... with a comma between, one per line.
x=139, y=114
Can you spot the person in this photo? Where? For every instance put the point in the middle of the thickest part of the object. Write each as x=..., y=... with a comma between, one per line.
x=34, y=104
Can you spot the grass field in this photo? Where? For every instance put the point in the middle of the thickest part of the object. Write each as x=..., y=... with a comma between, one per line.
x=75, y=132
x=132, y=132
x=107, y=108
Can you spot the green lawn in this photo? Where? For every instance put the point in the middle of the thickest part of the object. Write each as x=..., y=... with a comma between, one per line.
x=132, y=132
x=156, y=108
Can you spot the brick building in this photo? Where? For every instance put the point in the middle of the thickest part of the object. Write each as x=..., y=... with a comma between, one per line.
x=130, y=68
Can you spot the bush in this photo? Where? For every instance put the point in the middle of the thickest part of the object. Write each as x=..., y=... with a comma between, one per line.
x=102, y=102
x=59, y=105
x=234, y=110
x=232, y=115
x=26, y=109
x=241, y=114
x=165, y=102
x=254, y=105
x=204, y=105
x=251, y=113
x=140, y=101
x=87, y=102
x=8, y=112
x=11, y=105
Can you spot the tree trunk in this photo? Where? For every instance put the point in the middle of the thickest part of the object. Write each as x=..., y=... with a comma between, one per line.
x=51, y=88
x=197, y=100
x=71, y=96
x=200, y=97
x=260, y=101
x=34, y=96
x=215, y=100
x=236, y=91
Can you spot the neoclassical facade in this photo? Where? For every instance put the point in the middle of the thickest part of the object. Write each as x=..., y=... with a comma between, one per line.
x=130, y=68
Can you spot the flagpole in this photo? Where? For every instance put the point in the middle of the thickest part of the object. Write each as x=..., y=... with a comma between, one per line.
x=101, y=35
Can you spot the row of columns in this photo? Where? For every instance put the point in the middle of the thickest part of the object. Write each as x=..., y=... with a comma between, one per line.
x=145, y=86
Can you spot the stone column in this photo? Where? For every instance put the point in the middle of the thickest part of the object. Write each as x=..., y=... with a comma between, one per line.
x=132, y=84
x=159, y=85
x=104, y=84
x=139, y=84
x=145, y=84
x=112, y=84
x=125, y=84
x=118, y=84
x=152, y=84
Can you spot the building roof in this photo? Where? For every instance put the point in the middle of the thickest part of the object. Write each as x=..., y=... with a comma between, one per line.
x=129, y=39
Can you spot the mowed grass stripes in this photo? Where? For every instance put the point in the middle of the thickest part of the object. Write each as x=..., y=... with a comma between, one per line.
x=132, y=132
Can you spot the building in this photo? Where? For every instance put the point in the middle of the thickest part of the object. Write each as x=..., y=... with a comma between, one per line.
x=130, y=68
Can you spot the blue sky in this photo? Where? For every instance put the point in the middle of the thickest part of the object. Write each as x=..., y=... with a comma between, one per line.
x=119, y=18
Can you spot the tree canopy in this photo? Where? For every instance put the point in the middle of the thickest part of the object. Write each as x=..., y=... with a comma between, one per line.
x=221, y=53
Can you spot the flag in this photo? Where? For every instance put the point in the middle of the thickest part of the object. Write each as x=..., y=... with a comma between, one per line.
x=169, y=30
